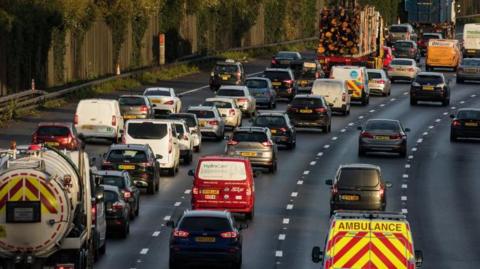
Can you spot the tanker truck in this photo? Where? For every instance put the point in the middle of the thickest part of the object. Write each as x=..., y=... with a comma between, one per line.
x=45, y=219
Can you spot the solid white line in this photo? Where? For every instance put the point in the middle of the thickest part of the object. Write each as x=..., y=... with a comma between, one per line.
x=312, y=163
x=279, y=253
x=289, y=207
x=404, y=211
x=294, y=194
x=156, y=234
x=300, y=182
x=404, y=198
x=306, y=172
x=320, y=154
x=177, y=204
x=404, y=186
x=188, y=191
x=286, y=221
x=144, y=251
x=326, y=146
x=167, y=218
x=282, y=237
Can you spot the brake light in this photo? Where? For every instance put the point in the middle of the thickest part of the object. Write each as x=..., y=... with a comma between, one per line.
x=317, y=75
x=213, y=122
x=127, y=195
x=180, y=233
x=168, y=102
x=396, y=136
x=456, y=123
x=288, y=82
x=114, y=121
x=124, y=140
x=65, y=266
x=106, y=163
x=380, y=81
x=394, y=49
x=412, y=50
x=75, y=119
x=143, y=108
x=117, y=206
x=283, y=130
x=231, y=112
x=94, y=213
x=241, y=100
x=267, y=144
x=229, y=235
x=232, y=142
x=274, y=61
x=344, y=97
x=239, y=75
x=390, y=68
x=320, y=110
x=195, y=190
x=248, y=191
x=411, y=69
x=366, y=135
x=381, y=192
x=334, y=189
x=145, y=164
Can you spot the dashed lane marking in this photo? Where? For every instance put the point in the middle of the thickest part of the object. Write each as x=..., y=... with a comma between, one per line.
x=279, y=253
x=167, y=218
x=156, y=234
x=393, y=99
x=420, y=140
x=177, y=203
x=453, y=107
x=414, y=149
x=282, y=237
x=405, y=175
x=343, y=130
x=462, y=102
x=407, y=166
x=188, y=191
x=431, y=127
x=360, y=117
x=404, y=186
x=144, y=251
x=334, y=138
x=286, y=221
x=320, y=154
x=382, y=105
x=404, y=198
x=306, y=172
x=294, y=194
x=300, y=182
x=425, y=133
x=351, y=124
x=312, y=163
x=410, y=157
x=289, y=206
x=326, y=146
x=371, y=111
x=438, y=120
x=404, y=211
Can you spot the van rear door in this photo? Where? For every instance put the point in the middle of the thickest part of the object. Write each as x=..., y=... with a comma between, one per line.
x=158, y=135
x=331, y=90
x=94, y=114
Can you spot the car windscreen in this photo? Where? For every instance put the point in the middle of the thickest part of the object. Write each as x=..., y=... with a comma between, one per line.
x=127, y=155
x=259, y=91
x=428, y=79
x=203, y=114
x=398, y=29
x=374, y=75
x=226, y=68
x=131, y=101
x=147, y=130
x=358, y=177
x=287, y=55
x=157, y=93
x=471, y=62
x=190, y=120
x=249, y=137
x=469, y=114
x=230, y=92
x=403, y=45
x=402, y=62
x=110, y=197
x=222, y=170
x=430, y=36
x=277, y=75
x=179, y=129
x=53, y=131
x=113, y=181
x=205, y=224
x=382, y=125
x=256, y=83
x=270, y=121
x=307, y=102
x=218, y=104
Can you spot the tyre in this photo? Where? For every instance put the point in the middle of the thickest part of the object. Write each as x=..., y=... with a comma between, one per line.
x=328, y=128
x=171, y=171
x=151, y=188
x=392, y=80
x=157, y=185
x=172, y=264
x=273, y=168
x=446, y=102
x=196, y=148
x=103, y=249
x=274, y=104
x=403, y=152
x=453, y=137
x=459, y=80
x=250, y=215
x=413, y=102
x=346, y=111
x=361, y=152
x=137, y=210
x=292, y=144
x=125, y=230
x=237, y=265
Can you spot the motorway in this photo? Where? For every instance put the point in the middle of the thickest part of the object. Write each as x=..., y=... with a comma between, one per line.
x=436, y=186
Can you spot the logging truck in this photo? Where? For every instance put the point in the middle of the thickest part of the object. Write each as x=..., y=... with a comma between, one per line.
x=350, y=37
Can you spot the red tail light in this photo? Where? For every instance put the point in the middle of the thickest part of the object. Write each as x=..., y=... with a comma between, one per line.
x=321, y=110
x=267, y=144
x=117, y=206
x=381, y=192
x=75, y=119
x=334, y=190
x=124, y=140
x=231, y=112
x=195, y=190
x=94, y=213
x=213, y=122
x=390, y=68
x=232, y=142
x=180, y=233
x=248, y=191
x=127, y=195
x=241, y=100
x=456, y=123
x=170, y=143
x=380, y=81
x=65, y=266
x=229, y=235
x=394, y=49
x=143, y=108
x=283, y=130
x=396, y=136
x=274, y=61
x=412, y=50
x=411, y=69
x=317, y=75
x=239, y=75
x=145, y=164
x=168, y=102
x=288, y=82
x=114, y=121
x=366, y=135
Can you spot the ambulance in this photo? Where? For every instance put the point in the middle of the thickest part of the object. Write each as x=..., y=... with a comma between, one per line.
x=367, y=240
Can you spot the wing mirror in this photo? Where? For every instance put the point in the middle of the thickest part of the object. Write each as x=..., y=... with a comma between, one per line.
x=170, y=224
x=452, y=116
x=360, y=128
x=191, y=172
x=329, y=182
x=317, y=255
x=242, y=226
x=418, y=258
x=122, y=131
x=407, y=130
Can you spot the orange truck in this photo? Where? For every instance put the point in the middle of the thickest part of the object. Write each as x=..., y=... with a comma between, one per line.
x=367, y=240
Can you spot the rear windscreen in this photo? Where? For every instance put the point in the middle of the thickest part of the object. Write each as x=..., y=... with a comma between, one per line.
x=270, y=121
x=287, y=55
x=469, y=114
x=157, y=93
x=122, y=155
x=256, y=83
x=403, y=45
x=179, y=129
x=427, y=37
x=147, y=130
x=190, y=120
x=205, y=224
x=222, y=170
x=53, y=131
x=327, y=85
x=357, y=177
x=203, y=114
x=131, y=101
x=374, y=75
x=401, y=62
x=424, y=79
x=226, y=68
x=249, y=137
x=230, y=92
x=110, y=197
x=307, y=102
x=218, y=104
x=382, y=125
x=398, y=29
x=277, y=75
x=308, y=73
x=471, y=62
x=113, y=181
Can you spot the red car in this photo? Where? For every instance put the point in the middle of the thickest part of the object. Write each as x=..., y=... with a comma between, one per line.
x=224, y=183
x=387, y=56
x=61, y=135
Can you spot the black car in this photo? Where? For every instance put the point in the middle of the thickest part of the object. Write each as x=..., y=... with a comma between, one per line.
x=284, y=59
x=205, y=236
x=283, y=132
x=118, y=211
x=283, y=82
x=430, y=86
x=310, y=111
x=306, y=72
x=228, y=72
x=99, y=221
x=125, y=184
x=359, y=187
x=465, y=124
x=383, y=135
x=139, y=161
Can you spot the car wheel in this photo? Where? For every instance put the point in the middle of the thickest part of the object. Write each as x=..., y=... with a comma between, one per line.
x=413, y=102
x=446, y=102
x=171, y=172
x=250, y=215
x=361, y=152
x=103, y=249
x=273, y=168
x=172, y=264
x=196, y=148
x=125, y=229
x=237, y=265
x=453, y=137
x=403, y=152
x=151, y=188
x=274, y=104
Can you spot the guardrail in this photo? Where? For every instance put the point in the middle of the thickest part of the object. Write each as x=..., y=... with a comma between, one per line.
x=33, y=98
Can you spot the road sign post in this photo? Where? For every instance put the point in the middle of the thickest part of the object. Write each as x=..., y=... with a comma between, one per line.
x=161, y=56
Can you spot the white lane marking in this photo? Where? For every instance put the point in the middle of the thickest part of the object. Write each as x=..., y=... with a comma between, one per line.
x=371, y=111
x=425, y=133
x=279, y=253
x=453, y=107
x=206, y=87
x=410, y=157
x=167, y=218
x=177, y=204
x=407, y=166
x=404, y=198
x=393, y=99
x=188, y=191
x=326, y=146
x=445, y=113
x=404, y=211
x=405, y=175
x=404, y=186
x=351, y=124
x=420, y=140
x=156, y=234
x=282, y=237
x=360, y=117
x=438, y=120
x=312, y=163
x=462, y=102
x=289, y=207
x=286, y=221
x=306, y=172
x=473, y=95
x=414, y=149
x=334, y=138
x=431, y=127
x=382, y=105
x=300, y=182
x=144, y=251
x=294, y=194
x=320, y=154
x=405, y=93
x=343, y=130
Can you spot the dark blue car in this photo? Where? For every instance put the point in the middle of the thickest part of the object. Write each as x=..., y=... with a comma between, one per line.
x=262, y=90
x=205, y=236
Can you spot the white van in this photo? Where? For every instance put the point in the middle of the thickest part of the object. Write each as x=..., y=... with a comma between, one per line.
x=185, y=141
x=160, y=135
x=99, y=118
x=471, y=40
x=357, y=81
x=335, y=92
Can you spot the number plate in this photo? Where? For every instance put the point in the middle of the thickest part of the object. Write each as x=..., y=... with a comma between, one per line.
x=88, y=127
x=303, y=83
x=382, y=137
x=202, y=123
x=276, y=83
x=53, y=144
x=273, y=131
x=129, y=117
x=210, y=197
x=209, y=191
x=306, y=111
x=225, y=77
x=156, y=101
x=471, y=51
x=126, y=167
x=350, y=197
x=471, y=124
x=428, y=88
x=248, y=154
x=205, y=239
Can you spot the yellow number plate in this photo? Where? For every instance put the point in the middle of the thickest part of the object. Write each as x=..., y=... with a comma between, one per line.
x=276, y=83
x=382, y=137
x=202, y=123
x=225, y=77
x=210, y=191
x=428, y=88
x=88, y=127
x=126, y=167
x=205, y=239
x=471, y=124
x=3, y=232
x=53, y=144
x=248, y=154
x=156, y=101
x=273, y=131
x=350, y=197
x=129, y=117
x=305, y=111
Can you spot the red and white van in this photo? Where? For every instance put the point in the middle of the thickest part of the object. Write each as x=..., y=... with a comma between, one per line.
x=224, y=183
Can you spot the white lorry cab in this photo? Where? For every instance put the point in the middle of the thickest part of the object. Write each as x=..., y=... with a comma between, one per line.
x=471, y=40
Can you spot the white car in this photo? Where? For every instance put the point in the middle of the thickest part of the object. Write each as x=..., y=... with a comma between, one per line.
x=99, y=118
x=403, y=69
x=160, y=135
x=163, y=99
x=185, y=141
x=244, y=100
x=231, y=114
x=192, y=124
x=335, y=92
x=378, y=82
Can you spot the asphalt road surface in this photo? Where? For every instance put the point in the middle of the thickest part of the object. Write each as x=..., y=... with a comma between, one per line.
x=436, y=186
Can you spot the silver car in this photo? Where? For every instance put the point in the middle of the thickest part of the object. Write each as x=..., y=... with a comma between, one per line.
x=231, y=114
x=256, y=144
x=469, y=69
x=210, y=121
x=403, y=69
x=378, y=82
x=245, y=101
